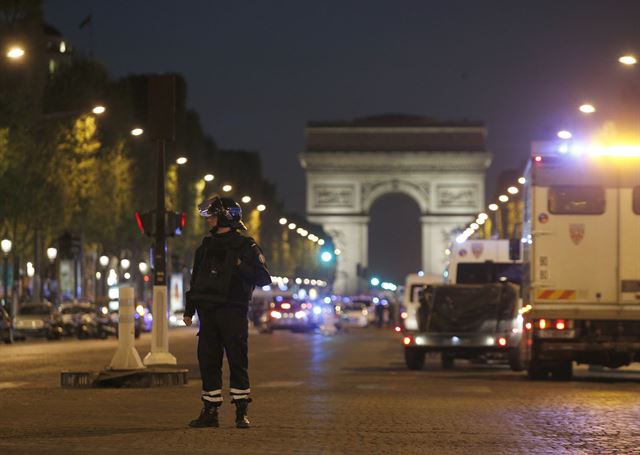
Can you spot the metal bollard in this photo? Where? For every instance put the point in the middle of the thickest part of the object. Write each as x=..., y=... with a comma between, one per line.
x=126, y=356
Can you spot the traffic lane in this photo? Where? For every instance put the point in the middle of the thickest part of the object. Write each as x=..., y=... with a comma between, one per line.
x=345, y=394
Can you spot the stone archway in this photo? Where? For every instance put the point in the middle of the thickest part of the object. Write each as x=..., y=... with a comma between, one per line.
x=349, y=165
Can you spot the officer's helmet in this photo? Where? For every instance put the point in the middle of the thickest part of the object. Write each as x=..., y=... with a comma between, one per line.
x=227, y=210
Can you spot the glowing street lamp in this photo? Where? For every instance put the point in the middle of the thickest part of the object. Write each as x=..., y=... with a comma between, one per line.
x=283, y=221
x=52, y=253
x=227, y=188
x=628, y=60
x=182, y=160
x=208, y=178
x=587, y=108
x=15, y=53
x=246, y=199
x=493, y=207
x=99, y=109
x=143, y=267
x=125, y=264
x=503, y=198
x=104, y=260
x=564, y=134
x=137, y=132
x=522, y=180
x=261, y=208
x=512, y=190
x=292, y=226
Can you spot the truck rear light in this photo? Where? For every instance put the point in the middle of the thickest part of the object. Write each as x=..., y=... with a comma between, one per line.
x=542, y=323
x=528, y=326
x=560, y=325
x=502, y=341
x=407, y=341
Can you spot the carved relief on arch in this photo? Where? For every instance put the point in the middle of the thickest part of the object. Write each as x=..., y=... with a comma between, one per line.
x=420, y=193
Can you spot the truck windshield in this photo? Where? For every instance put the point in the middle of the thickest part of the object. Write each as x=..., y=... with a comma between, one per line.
x=576, y=200
x=489, y=272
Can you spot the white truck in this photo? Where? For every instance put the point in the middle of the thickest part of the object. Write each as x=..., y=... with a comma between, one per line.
x=484, y=261
x=581, y=257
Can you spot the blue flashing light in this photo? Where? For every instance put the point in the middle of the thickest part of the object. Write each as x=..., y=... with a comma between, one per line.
x=327, y=300
x=317, y=310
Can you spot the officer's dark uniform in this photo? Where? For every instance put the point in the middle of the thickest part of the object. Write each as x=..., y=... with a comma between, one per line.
x=226, y=269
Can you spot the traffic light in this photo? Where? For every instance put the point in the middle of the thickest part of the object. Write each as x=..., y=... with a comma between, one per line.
x=174, y=223
x=146, y=223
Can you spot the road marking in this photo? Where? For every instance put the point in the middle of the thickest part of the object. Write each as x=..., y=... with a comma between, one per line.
x=11, y=385
x=280, y=384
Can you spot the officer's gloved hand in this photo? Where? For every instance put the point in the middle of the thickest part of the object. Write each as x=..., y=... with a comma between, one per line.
x=187, y=320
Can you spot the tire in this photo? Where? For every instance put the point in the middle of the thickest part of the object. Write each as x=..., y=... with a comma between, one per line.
x=536, y=371
x=447, y=360
x=515, y=359
x=414, y=358
x=563, y=371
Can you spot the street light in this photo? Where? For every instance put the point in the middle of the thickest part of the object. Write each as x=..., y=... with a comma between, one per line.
x=292, y=226
x=246, y=199
x=493, y=207
x=137, y=132
x=628, y=60
x=587, y=108
x=125, y=263
x=283, y=221
x=52, y=254
x=208, y=177
x=99, y=109
x=104, y=260
x=564, y=134
x=503, y=198
x=182, y=160
x=227, y=188
x=15, y=53
x=261, y=208
x=512, y=190
x=5, y=244
x=143, y=267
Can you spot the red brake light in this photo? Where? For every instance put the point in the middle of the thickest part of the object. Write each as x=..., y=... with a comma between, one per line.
x=407, y=340
x=404, y=315
x=528, y=326
x=139, y=221
x=537, y=159
x=398, y=329
x=560, y=325
x=502, y=341
x=542, y=324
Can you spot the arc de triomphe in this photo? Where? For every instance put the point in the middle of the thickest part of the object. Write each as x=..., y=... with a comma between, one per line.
x=351, y=164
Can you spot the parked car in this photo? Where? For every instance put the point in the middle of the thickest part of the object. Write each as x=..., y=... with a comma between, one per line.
x=40, y=319
x=6, y=326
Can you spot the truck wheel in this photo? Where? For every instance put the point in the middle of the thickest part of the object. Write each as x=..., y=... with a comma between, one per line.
x=515, y=359
x=448, y=361
x=414, y=358
x=563, y=372
x=536, y=371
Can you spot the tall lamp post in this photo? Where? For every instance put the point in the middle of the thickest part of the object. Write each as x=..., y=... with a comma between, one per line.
x=5, y=244
x=104, y=262
x=52, y=254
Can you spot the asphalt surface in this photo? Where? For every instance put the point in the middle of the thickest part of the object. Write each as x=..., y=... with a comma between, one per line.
x=348, y=393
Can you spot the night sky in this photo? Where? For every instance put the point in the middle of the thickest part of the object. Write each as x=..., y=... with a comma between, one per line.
x=258, y=71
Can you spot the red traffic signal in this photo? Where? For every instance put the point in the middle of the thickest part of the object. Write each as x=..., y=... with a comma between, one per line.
x=174, y=223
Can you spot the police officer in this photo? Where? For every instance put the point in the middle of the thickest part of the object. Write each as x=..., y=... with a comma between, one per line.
x=227, y=267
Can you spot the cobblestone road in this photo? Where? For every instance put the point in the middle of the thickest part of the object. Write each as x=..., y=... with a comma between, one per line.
x=313, y=394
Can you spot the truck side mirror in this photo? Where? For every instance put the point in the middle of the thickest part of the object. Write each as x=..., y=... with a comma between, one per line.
x=514, y=249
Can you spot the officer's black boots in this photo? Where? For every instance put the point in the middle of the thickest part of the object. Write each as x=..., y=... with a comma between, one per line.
x=208, y=416
x=241, y=414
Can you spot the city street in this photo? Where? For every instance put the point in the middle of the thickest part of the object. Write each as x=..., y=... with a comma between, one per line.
x=350, y=393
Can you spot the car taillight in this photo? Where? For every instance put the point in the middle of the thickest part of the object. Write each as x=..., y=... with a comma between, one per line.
x=285, y=306
x=528, y=326
x=397, y=329
x=560, y=325
x=407, y=340
x=502, y=341
x=554, y=324
x=542, y=323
